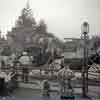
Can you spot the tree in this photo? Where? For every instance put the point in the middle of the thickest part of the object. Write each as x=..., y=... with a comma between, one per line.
x=6, y=51
x=26, y=19
x=96, y=42
x=42, y=27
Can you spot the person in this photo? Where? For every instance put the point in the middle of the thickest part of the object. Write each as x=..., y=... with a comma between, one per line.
x=2, y=63
x=4, y=80
x=64, y=77
x=46, y=89
x=62, y=61
x=69, y=92
x=59, y=62
x=12, y=83
x=25, y=62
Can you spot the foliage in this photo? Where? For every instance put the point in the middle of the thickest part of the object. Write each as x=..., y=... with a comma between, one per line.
x=96, y=42
x=26, y=19
x=6, y=51
x=27, y=31
x=42, y=27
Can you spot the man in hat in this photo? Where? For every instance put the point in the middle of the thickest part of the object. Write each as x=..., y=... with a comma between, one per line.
x=46, y=89
x=64, y=77
x=25, y=61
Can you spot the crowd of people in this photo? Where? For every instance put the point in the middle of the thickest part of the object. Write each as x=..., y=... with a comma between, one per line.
x=8, y=74
x=8, y=80
x=65, y=75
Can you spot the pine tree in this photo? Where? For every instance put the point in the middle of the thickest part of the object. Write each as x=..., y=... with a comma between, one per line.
x=26, y=19
x=42, y=27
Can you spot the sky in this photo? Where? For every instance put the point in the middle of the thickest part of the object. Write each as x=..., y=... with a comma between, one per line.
x=63, y=17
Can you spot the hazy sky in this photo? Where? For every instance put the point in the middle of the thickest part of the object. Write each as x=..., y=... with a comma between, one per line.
x=63, y=17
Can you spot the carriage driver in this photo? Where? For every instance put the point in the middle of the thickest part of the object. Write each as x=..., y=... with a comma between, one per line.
x=64, y=77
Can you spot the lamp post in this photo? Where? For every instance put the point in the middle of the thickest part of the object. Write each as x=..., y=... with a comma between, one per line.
x=85, y=31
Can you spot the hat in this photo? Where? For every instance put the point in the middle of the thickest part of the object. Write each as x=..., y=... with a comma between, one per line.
x=24, y=53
